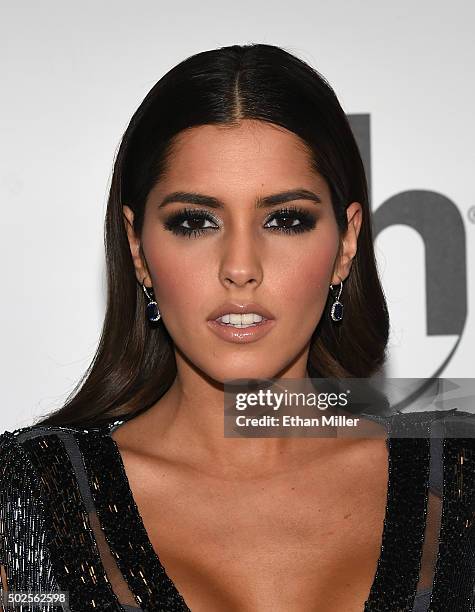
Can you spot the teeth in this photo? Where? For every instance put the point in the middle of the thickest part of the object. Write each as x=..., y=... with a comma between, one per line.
x=240, y=320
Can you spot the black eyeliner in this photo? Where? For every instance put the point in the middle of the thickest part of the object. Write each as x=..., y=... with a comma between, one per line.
x=307, y=221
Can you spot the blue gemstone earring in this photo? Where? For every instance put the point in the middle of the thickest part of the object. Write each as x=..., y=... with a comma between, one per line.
x=152, y=312
x=336, y=311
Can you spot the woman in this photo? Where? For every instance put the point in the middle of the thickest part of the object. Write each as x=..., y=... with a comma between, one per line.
x=238, y=192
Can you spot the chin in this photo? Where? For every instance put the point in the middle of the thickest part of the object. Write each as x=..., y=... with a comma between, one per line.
x=249, y=370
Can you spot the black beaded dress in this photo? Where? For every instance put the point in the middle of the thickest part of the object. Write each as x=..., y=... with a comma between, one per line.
x=69, y=522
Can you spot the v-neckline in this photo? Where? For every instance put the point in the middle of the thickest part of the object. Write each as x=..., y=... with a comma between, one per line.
x=392, y=532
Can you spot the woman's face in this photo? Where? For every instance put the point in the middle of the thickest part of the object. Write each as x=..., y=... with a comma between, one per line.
x=238, y=252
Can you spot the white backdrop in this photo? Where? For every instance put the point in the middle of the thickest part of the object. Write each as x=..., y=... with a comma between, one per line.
x=73, y=74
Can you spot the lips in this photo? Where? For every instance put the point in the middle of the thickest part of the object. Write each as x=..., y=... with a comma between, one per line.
x=236, y=308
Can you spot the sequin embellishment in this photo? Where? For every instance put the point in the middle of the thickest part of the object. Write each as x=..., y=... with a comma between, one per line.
x=23, y=534
x=44, y=512
x=395, y=582
x=124, y=529
x=74, y=551
x=454, y=585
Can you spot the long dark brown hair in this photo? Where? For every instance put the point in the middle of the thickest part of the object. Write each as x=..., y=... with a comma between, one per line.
x=134, y=364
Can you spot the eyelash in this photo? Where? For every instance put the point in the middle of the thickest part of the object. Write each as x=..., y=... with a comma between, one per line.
x=173, y=223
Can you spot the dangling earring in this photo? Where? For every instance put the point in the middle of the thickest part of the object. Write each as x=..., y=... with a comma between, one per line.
x=336, y=311
x=153, y=314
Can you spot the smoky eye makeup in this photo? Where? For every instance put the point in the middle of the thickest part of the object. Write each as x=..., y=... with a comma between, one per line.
x=192, y=223
x=295, y=220
x=197, y=221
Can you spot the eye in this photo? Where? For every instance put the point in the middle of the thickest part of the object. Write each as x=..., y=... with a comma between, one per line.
x=295, y=220
x=194, y=219
x=192, y=223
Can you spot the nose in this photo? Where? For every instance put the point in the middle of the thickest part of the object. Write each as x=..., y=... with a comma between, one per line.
x=240, y=261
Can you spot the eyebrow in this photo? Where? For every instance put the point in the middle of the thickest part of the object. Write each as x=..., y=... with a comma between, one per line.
x=261, y=202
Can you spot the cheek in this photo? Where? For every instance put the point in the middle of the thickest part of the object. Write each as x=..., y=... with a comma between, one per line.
x=178, y=280
x=304, y=284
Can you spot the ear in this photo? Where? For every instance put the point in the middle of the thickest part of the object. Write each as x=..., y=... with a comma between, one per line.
x=141, y=270
x=349, y=243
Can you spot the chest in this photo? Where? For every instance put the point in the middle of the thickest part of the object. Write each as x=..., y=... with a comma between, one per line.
x=307, y=540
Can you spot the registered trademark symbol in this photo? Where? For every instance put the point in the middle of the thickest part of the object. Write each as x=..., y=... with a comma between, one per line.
x=471, y=214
